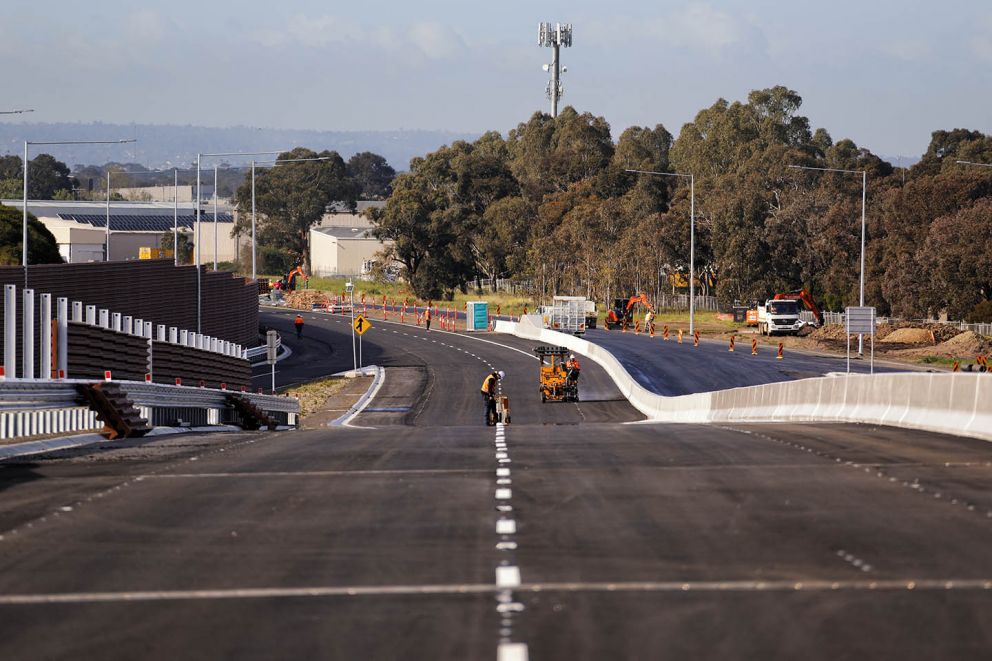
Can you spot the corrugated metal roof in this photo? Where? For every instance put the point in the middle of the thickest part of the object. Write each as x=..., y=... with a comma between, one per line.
x=346, y=232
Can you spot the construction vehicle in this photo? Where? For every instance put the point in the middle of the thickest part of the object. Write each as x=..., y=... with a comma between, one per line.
x=555, y=385
x=622, y=312
x=291, y=284
x=807, y=300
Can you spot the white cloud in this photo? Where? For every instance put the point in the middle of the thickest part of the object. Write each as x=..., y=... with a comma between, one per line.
x=910, y=50
x=435, y=40
x=429, y=39
x=145, y=27
x=981, y=44
x=696, y=26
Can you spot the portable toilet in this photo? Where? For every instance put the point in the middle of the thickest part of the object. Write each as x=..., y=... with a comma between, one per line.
x=477, y=316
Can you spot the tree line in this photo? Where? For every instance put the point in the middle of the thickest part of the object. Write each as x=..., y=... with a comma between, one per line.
x=554, y=203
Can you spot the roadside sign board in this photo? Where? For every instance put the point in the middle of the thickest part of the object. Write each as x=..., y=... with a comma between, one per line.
x=361, y=324
x=271, y=337
x=860, y=320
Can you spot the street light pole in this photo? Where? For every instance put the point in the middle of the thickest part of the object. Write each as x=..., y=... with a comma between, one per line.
x=254, y=273
x=24, y=229
x=692, y=237
x=197, y=231
x=175, y=217
x=215, y=216
x=864, y=197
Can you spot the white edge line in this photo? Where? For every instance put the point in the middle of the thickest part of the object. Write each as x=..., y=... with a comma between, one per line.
x=345, y=420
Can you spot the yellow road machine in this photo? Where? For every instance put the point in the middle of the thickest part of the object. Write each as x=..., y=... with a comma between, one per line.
x=556, y=386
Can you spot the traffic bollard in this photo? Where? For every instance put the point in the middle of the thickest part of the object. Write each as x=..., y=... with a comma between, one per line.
x=754, y=347
x=651, y=330
x=637, y=328
x=731, y=349
x=695, y=339
x=664, y=333
x=780, y=347
x=680, y=336
x=957, y=367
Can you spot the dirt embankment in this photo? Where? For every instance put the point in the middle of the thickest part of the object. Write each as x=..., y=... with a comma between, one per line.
x=909, y=341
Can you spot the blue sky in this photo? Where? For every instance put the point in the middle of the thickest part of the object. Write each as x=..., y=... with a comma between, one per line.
x=883, y=72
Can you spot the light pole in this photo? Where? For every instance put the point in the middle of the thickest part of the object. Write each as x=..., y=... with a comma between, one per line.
x=864, y=196
x=28, y=143
x=254, y=275
x=692, y=238
x=138, y=174
x=197, y=233
x=350, y=289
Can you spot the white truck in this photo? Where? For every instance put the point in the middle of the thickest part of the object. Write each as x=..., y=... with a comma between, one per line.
x=779, y=318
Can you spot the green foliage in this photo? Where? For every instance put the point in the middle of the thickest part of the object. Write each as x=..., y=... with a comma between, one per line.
x=291, y=198
x=981, y=313
x=185, y=246
x=42, y=247
x=372, y=174
x=275, y=260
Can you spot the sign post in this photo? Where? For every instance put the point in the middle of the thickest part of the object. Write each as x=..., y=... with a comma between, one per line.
x=360, y=325
x=271, y=337
x=860, y=321
x=349, y=288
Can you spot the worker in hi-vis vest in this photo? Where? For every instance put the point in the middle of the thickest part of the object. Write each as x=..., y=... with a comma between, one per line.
x=489, y=385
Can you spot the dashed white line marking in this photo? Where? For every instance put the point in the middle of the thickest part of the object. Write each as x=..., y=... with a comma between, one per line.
x=502, y=472
x=503, y=494
x=507, y=577
x=511, y=652
x=506, y=527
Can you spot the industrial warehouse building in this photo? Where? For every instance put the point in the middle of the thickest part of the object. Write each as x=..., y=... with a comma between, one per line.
x=80, y=228
x=342, y=250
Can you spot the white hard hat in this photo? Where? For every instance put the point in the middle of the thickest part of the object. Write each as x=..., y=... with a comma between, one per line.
x=572, y=356
x=501, y=374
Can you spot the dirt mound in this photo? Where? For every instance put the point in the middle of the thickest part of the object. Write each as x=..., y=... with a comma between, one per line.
x=909, y=336
x=304, y=300
x=968, y=343
x=829, y=332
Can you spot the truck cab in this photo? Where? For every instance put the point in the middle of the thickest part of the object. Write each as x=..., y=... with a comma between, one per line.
x=779, y=318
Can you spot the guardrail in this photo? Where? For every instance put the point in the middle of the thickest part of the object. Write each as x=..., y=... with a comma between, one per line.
x=958, y=404
x=838, y=318
x=36, y=407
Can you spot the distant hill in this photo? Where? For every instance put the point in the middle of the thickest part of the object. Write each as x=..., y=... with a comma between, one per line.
x=161, y=146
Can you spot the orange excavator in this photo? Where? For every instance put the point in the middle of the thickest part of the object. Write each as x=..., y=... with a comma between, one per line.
x=623, y=310
x=291, y=284
x=807, y=300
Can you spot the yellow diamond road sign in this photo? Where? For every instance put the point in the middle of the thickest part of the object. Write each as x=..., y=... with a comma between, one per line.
x=361, y=324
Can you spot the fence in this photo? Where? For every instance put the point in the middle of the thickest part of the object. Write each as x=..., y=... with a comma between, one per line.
x=681, y=302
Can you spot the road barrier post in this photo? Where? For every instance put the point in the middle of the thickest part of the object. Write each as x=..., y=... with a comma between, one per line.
x=754, y=347
x=665, y=332
x=780, y=347
x=637, y=328
x=680, y=336
x=695, y=339
x=957, y=367
x=623, y=327
x=731, y=349
x=651, y=330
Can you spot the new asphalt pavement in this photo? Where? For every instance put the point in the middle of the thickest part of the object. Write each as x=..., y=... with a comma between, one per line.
x=419, y=533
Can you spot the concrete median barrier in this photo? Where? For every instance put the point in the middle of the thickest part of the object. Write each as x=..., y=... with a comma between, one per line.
x=954, y=403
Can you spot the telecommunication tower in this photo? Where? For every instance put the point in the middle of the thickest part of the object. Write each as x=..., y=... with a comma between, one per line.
x=555, y=37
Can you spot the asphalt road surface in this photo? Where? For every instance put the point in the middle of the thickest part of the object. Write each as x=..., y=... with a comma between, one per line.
x=421, y=534
x=669, y=368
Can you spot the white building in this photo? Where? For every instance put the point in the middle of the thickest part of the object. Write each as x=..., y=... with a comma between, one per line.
x=80, y=228
x=342, y=250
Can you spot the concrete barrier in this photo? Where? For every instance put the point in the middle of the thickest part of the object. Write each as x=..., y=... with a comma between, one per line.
x=954, y=403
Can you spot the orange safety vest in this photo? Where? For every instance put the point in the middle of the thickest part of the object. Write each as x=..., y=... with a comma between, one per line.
x=427, y=313
x=299, y=320
x=573, y=364
x=489, y=384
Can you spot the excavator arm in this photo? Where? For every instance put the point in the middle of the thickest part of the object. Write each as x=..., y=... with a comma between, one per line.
x=807, y=300
x=640, y=298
